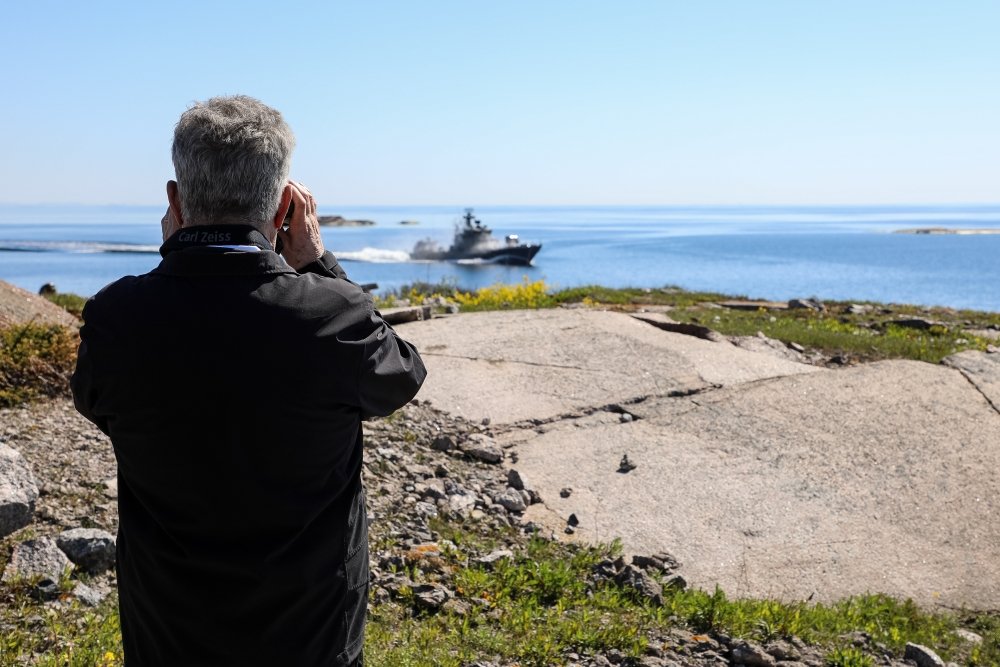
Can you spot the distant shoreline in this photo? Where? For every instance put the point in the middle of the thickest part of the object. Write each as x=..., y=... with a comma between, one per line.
x=340, y=221
x=946, y=230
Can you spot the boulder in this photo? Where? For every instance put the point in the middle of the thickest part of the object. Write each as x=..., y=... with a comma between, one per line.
x=661, y=561
x=810, y=304
x=751, y=655
x=88, y=596
x=919, y=323
x=461, y=504
x=443, y=443
x=922, y=656
x=18, y=491
x=636, y=579
x=19, y=306
x=512, y=500
x=40, y=557
x=482, y=448
x=435, y=488
x=431, y=596
x=90, y=549
x=517, y=480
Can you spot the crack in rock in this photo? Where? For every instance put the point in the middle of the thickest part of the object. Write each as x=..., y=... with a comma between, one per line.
x=968, y=378
x=513, y=361
x=618, y=407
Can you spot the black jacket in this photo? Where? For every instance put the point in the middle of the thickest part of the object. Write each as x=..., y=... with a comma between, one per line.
x=233, y=388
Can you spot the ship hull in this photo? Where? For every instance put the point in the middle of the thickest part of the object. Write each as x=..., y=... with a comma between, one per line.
x=519, y=255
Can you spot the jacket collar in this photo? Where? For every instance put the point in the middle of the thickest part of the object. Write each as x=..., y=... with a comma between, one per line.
x=221, y=237
x=220, y=250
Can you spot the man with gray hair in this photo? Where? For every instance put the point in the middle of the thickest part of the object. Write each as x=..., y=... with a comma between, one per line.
x=232, y=380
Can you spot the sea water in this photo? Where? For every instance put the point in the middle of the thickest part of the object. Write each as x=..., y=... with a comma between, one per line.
x=848, y=253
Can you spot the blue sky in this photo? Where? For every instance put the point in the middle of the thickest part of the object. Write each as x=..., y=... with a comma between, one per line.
x=540, y=102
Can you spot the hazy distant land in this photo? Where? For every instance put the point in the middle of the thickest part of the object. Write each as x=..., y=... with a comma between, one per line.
x=945, y=230
x=341, y=221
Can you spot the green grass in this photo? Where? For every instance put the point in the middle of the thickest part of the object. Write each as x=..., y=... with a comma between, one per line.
x=532, y=610
x=36, y=360
x=871, y=339
x=866, y=337
x=544, y=603
x=849, y=657
x=634, y=296
x=73, y=303
x=53, y=636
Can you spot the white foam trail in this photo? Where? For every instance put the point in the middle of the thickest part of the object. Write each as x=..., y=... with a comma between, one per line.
x=76, y=247
x=374, y=255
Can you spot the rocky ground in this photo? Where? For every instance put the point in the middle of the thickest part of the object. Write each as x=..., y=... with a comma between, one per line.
x=18, y=306
x=422, y=467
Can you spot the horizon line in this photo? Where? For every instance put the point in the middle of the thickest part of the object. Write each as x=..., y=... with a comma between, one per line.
x=560, y=205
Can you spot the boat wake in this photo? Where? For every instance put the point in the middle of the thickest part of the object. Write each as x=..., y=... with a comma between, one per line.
x=373, y=256
x=76, y=247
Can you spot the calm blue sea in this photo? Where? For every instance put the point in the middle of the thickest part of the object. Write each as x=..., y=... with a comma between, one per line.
x=764, y=252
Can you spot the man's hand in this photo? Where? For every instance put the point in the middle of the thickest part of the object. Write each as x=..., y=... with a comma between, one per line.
x=169, y=224
x=302, y=242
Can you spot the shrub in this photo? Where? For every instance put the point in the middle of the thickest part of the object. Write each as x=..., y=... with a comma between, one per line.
x=501, y=297
x=36, y=360
x=72, y=303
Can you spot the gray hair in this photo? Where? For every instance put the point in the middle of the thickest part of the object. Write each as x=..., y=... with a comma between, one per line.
x=231, y=156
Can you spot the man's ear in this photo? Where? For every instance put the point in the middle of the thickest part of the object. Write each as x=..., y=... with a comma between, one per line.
x=286, y=201
x=174, y=199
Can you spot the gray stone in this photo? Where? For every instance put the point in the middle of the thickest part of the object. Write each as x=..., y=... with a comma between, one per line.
x=46, y=589
x=40, y=557
x=461, y=503
x=443, y=443
x=431, y=596
x=517, y=480
x=811, y=304
x=419, y=471
x=482, y=448
x=511, y=499
x=87, y=595
x=636, y=579
x=457, y=607
x=969, y=636
x=783, y=651
x=491, y=558
x=90, y=549
x=18, y=491
x=916, y=323
x=661, y=561
x=751, y=655
x=425, y=509
x=434, y=488
x=111, y=487
x=923, y=656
